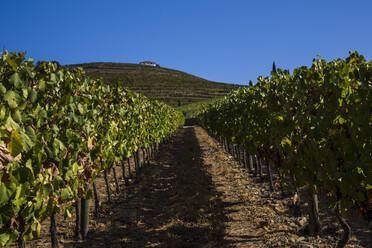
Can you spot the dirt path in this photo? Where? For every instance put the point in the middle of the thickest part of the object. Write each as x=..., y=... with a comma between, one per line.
x=173, y=204
x=194, y=195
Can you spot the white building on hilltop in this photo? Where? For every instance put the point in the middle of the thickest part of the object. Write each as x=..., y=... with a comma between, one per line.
x=148, y=63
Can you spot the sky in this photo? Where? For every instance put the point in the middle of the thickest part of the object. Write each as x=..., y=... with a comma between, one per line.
x=230, y=41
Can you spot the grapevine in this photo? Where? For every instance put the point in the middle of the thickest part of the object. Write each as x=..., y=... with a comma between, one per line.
x=58, y=131
x=314, y=124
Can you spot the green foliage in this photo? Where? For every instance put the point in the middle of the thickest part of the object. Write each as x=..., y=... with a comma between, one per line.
x=315, y=124
x=193, y=109
x=58, y=130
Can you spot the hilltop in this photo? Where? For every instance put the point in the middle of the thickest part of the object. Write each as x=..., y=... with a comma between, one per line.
x=170, y=86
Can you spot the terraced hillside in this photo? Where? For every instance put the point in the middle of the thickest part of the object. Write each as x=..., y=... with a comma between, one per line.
x=170, y=86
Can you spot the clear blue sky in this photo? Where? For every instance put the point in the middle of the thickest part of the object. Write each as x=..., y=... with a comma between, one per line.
x=226, y=41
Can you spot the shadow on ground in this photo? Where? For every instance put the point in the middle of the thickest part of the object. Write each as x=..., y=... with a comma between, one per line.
x=174, y=204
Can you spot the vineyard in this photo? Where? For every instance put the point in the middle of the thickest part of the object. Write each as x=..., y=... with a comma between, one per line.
x=58, y=131
x=313, y=127
x=170, y=86
x=87, y=164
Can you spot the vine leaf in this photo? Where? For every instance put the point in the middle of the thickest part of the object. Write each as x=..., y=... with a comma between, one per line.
x=12, y=99
x=15, y=145
x=15, y=79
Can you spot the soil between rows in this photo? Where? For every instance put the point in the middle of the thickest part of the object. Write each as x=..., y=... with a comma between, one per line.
x=195, y=195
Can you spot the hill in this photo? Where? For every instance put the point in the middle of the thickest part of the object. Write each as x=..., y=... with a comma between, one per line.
x=170, y=86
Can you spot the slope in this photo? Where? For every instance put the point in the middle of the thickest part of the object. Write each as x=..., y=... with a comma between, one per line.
x=170, y=86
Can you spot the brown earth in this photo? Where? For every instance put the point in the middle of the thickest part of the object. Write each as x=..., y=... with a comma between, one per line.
x=194, y=194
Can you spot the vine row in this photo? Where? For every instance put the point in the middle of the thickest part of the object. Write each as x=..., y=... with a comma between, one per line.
x=58, y=131
x=313, y=126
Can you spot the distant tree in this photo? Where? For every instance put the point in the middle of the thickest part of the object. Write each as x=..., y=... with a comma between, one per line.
x=274, y=67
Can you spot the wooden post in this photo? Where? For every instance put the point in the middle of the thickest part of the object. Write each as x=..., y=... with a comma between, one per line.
x=345, y=226
x=251, y=163
x=129, y=169
x=314, y=221
x=272, y=188
x=148, y=156
x=77, y=220
x=245, y=160
x=123, y=173
x=97, y=202
x=116, y=180
x=135, y=162
x=20, y=241
x=108, y=189
x=84, y=217
x=255, y=166
x=53, y=230
x=261, y=167
x=296, y=197
x=139, y=157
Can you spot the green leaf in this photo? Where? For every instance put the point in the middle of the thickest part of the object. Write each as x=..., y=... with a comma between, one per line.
x=17, y=117
x=6, y=192
x=67, y=213
x=2, y=112
x=65, y=193
x=36, y=228
x=12, y=98
x=43, y=114
x=12, y=63
x=13, y=237
x=3, y=192
x=75, y=168
x=31, y=133
x=53, y=78
x=47, y=188
x=2, y=88
x=17, y=194
x=80, y=108
x=360, y=171
x=29, y=166
x=58, y=182
x=15, y=145
x=27, y=141
x=4, y=237
x=58, y=146
x=15, y=79
x=69, y=175
x=33, y=95
x=285, y=141
x=11, y=124
x=28, y=235
x=42, y=85
x=25, y=93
